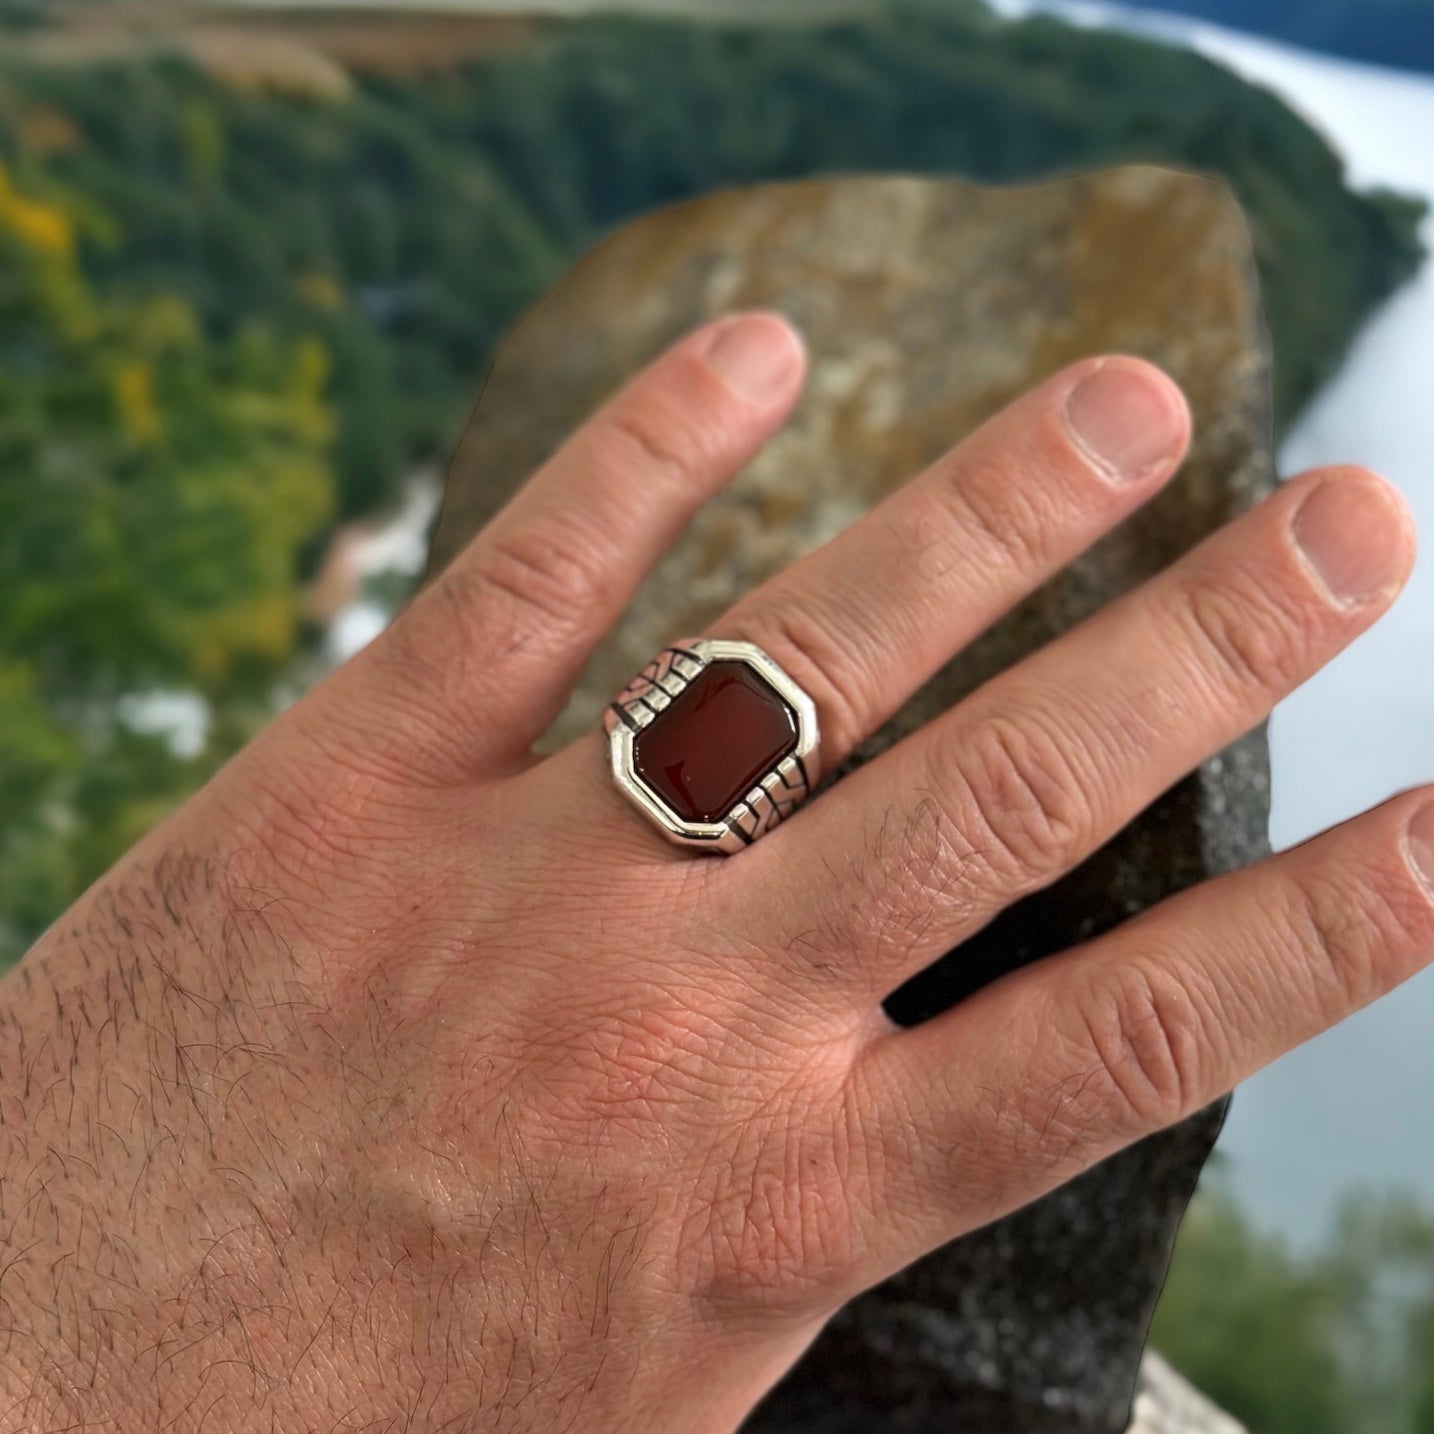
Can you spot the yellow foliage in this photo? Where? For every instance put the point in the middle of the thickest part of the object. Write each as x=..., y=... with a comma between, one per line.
x=313, y=418
x=28, y=731
x=40, y=227
x=135, y=401
x=292, y=498
x=264, y=627
x=46, y=236
x=320, y=291
x=278, y=499
x=164, y=322
x=314, y=367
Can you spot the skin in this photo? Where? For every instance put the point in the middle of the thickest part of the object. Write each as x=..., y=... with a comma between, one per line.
x=404, y=1081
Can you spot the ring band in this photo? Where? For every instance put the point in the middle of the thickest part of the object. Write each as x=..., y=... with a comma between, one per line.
x=714, y=743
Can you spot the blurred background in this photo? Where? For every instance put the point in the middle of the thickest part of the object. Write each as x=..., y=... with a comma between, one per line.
x=255, y=254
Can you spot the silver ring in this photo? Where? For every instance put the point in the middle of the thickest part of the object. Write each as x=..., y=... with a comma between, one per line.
x=713, y=743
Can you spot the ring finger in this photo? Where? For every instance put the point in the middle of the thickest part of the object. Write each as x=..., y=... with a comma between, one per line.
x=864, y=621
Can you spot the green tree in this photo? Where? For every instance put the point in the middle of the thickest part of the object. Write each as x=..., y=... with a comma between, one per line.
x=1383, y=1255
x=1253, y=1326
x=156, y=489
x=1337, y=1337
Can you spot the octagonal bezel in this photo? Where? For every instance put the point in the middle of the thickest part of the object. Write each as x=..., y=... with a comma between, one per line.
x=724, y=836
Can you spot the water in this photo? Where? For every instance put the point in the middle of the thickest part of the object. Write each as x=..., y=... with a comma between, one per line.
x=1355, y=1107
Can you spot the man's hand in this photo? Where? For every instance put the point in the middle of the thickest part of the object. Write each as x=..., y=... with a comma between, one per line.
x=405, y=1081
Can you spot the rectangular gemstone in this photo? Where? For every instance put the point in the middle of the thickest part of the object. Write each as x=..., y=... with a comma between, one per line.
x=715, y=742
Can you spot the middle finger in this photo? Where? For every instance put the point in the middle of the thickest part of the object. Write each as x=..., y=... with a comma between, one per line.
x=861, y=623
x=864, y=621
x=1023, y=779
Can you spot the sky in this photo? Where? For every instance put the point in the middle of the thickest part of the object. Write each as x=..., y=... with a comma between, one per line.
x=1356, y=1106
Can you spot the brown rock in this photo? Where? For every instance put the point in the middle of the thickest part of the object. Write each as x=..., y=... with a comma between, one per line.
x=927, y=305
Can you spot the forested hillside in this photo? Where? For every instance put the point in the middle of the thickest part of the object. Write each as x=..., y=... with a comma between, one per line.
x=234, y=315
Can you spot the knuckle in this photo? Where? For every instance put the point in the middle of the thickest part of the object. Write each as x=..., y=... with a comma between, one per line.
x=1360, y=932
x=1144, y=1036
x=988, y=500
x=1016, y=794
x=652, y=438
x=1327, y=936
x=546, y=568
x=1243, y=633
x=912, y=871
x=921, y=535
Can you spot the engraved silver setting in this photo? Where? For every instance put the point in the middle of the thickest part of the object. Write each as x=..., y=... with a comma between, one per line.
x=775, y=796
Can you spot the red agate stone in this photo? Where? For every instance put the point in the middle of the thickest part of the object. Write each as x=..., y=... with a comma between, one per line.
x=722, y=734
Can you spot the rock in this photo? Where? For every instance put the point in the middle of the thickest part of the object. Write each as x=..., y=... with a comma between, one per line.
x=927, y=305
x=1166, y=1404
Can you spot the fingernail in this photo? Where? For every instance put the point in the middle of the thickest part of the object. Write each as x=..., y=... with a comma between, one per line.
x=1421, y=844
x=1128, y=418
x=756, y=355
x=1347, y=530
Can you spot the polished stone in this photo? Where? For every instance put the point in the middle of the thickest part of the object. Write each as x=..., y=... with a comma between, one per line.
x=721, y=736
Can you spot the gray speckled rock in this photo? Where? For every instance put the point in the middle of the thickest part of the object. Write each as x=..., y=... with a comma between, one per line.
x=927, y=305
